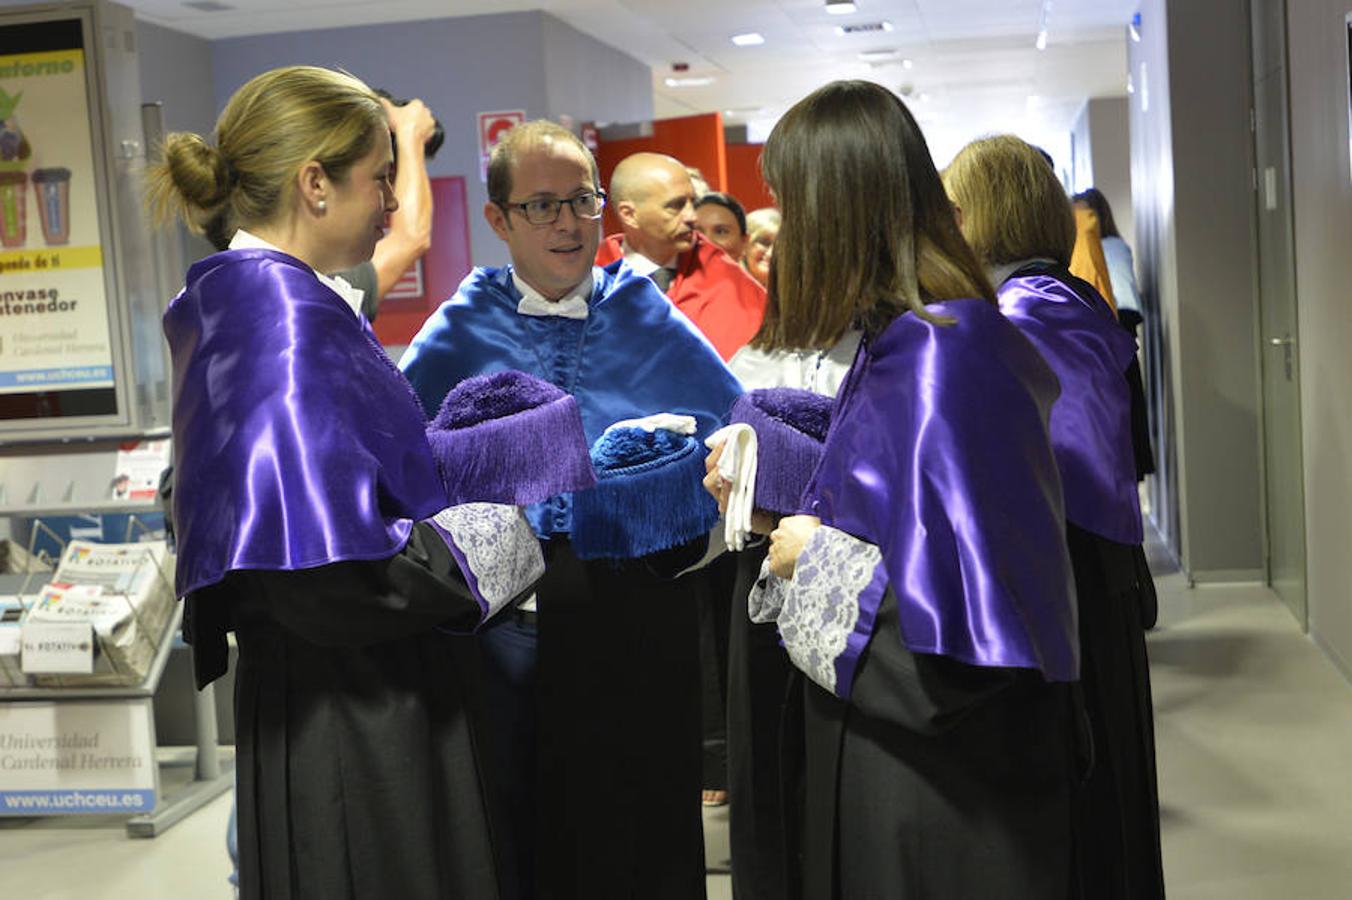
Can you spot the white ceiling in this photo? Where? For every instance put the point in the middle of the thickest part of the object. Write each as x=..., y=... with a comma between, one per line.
x=975, y=67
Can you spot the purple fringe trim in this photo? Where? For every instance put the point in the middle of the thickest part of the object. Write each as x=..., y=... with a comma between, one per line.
x=786, y=455
x=494, y=396
x=518, y=459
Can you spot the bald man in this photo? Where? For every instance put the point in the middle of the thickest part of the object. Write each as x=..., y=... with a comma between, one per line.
x=654, y=198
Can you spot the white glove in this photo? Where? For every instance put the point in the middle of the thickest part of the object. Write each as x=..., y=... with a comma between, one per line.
x=664, y=421
x=737, y=466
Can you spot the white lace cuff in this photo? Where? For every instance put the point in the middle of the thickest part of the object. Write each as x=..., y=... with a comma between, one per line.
x=829, y=606
x=496, y=551
x=767, y=596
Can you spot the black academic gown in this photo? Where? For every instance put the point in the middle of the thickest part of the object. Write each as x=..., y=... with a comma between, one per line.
x=1119, y=818
x=938, y=780
x=358, y=770
x=619, y=720
x=715, y=601
x=759, y=676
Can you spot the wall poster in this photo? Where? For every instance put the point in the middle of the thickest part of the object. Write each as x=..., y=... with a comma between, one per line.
x=55, y=341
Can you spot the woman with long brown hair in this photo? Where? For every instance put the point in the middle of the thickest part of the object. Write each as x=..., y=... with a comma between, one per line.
x=926, y=595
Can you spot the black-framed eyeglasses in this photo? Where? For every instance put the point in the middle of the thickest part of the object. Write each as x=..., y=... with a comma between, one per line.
x=545, y=210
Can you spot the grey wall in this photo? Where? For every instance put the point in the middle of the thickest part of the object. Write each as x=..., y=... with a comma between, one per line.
x=1082, y=156
x=1110, y=150
x=591, y=81
x=1322, y=194
x=1156, y=266
x=176, y=70
x=1102, y=139
x=461, y=67
x=1191, y=175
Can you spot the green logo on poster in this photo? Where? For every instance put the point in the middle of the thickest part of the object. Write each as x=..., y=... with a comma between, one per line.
x=25, y=69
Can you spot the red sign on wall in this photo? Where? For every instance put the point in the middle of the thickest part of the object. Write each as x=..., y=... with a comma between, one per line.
x=492, y=126
x=591, y=136
x=434, y=278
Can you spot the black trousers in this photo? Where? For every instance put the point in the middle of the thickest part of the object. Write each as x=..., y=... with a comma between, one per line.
x=1118, y=832
x=510, y=650
x=718, y=582
x=619, y=732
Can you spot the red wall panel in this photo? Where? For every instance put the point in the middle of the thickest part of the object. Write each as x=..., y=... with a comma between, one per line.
x=444, y=267
x=744, y=177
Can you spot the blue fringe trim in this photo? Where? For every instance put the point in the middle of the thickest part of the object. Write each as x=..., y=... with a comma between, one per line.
x=644, y=509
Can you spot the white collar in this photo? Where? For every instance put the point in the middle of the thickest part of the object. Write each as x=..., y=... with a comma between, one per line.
x=641, y=264
x=351, y=296
x=572, y=305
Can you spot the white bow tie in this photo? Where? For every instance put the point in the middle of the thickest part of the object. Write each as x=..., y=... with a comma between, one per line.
x=571, y=307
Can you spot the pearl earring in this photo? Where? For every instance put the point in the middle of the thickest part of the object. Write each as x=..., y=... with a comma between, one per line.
x=323, y=206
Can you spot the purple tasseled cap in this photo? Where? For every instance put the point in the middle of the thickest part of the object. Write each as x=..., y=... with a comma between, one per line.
x=790, y=426
x=509, y=437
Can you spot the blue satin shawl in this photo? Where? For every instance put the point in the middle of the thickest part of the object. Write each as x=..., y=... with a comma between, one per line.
x=297, y=443
x=634, y=355
x=938, y=453
x=1089, y=351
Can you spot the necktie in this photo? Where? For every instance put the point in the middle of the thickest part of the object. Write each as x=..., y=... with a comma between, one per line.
x=663, y=276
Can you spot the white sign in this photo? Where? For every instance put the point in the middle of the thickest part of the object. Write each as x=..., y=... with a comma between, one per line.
x=54, y=332
x=58, y=648
x=76, y=757
x=11, y=639
x=139, y=466
x=410, y=285
x=62, y=602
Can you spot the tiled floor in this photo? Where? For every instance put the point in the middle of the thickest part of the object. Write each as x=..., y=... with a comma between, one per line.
x=1254, y=729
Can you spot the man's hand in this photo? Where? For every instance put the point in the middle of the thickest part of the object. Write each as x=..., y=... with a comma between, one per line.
x=411, y=123
x=718, y=487
x=787, y=543
x=410, y=234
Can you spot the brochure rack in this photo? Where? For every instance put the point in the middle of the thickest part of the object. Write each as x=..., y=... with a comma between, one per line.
x=121, y=712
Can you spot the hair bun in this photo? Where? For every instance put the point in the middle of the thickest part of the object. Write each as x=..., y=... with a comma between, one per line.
x=198, y=170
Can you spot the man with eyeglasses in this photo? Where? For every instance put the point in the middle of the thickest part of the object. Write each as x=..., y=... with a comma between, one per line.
x=654, y=200
x=593, y=684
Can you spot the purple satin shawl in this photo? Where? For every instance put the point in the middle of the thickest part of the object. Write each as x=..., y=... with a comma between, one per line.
x=297, y=443
x=938, y=454
x=1089, y=351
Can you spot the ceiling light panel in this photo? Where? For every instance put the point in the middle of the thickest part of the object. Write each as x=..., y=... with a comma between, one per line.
x=689, y=81
x=864, y=28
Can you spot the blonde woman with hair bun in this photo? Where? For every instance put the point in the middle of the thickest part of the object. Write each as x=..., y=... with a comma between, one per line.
x=1017, y=218
x=304, y=501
